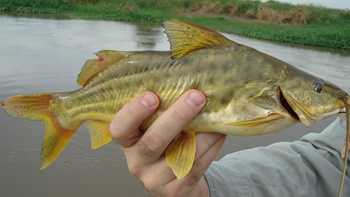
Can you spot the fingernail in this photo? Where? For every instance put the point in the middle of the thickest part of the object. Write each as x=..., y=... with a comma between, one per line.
x=148, y=100
x=194, y=99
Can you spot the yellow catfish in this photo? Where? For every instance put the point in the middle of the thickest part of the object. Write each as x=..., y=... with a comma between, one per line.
x=248, y=93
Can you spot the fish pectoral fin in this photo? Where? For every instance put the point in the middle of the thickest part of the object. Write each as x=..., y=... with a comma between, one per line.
x=265, y=102
x=94, y=66
x=257, y=121
x=180, y=154
x=185, y=37
x=99, y=133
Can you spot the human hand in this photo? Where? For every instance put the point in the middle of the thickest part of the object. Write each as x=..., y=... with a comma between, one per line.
x=144, y=150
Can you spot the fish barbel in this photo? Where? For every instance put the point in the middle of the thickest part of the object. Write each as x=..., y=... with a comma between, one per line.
x=248, y=93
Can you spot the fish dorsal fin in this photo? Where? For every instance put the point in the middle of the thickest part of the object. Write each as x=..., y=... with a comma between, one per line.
x=185, y=37
x=94, y=66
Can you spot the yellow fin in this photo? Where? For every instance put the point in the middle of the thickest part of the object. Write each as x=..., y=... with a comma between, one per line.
x=257, y=121
x=37, y=107
x=99, y=132
x=94, y=66
x=185, y=37
x=31, y=106
x=180, y=154
x=55, y=140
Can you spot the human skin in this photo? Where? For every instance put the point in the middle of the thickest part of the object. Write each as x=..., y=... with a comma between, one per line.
x=144, y=150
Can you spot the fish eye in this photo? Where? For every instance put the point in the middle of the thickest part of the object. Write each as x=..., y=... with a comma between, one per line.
x=318, y=86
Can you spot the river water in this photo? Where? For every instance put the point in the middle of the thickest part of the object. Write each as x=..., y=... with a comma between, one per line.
x=46, y=55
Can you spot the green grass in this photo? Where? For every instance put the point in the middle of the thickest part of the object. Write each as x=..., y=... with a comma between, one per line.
x=332, y=36
x=110, y=13
x=315, y=26
x=36, y=6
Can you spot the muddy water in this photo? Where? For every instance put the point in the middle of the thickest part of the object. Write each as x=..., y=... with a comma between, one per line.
x=45, y=55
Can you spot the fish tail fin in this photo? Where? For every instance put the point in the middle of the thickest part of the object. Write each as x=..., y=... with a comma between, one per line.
x=38, y=107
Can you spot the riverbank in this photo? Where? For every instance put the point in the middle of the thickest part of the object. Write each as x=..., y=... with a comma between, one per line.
x=307, y=25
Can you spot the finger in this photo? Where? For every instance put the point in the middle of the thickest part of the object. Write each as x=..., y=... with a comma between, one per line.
x=125, y=124
x=169, y=124
x=156, y=175
x=209, y=145
x=205, y=141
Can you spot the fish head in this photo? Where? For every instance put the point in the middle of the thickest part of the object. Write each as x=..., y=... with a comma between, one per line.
x=309, y=99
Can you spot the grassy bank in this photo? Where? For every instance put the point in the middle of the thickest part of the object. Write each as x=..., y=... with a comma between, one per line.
x=301, y=24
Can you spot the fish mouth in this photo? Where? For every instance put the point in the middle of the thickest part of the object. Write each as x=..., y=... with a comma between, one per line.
x=286, y=106
x=296, y=109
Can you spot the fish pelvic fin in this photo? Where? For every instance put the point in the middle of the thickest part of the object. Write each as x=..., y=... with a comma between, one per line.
x=257, y=121
x=180, y=154
x=37, y=107
x=95, y=66
x=185, y=37
x=99, y=132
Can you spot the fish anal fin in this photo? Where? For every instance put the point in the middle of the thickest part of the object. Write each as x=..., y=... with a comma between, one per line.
x=94, y=66
x=185, y=37
x=180, y=154
x=99, y=133
x=256, y=121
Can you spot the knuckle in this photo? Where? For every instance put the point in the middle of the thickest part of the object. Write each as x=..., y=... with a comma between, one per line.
x=150, y=145
x=192, y=178
x=129, y=110
x=195, y=174
x=153, y=180
x=135, y=169
x=198, y=166
x=150, y=185
x=114, y=131
x=179, y=116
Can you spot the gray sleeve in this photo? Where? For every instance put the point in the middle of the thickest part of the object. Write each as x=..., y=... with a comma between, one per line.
x=311, y=166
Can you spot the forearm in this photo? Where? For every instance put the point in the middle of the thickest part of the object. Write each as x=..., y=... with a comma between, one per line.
x=310, y=167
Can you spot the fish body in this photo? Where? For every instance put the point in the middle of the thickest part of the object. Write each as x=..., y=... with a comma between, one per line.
x=248, y=92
